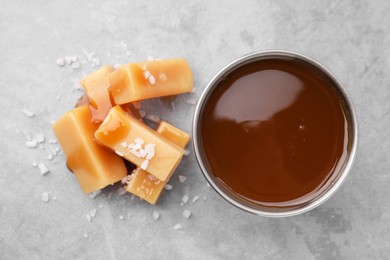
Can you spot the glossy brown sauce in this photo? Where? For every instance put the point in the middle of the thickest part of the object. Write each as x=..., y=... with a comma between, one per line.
x=274, y=132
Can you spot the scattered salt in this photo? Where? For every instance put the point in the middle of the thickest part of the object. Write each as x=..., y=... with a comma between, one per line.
x=121, y=217
x=185, y=199
x=89, y=218
x=43, y=168
x=155, y=215
x=40, y=138
x=149, y=149
x=45, y=196
x=145, y=165
x=92, y=213
x=32, y=144
x=96, y=61
x=168, y=186
x=191, y=101
x=182, y=178
x=153, y=118
x=186, y=214
x=95, y=193
x=68, y=60
x=50, y=157
x=124, y=144
x=195, y=199
x=28, y=113
x=186, y=152
x=119, y=153
x=152, y=80
x=60, y=62
x=121, y=191
x=34, y=163
x=177, y=226
x=147, y=74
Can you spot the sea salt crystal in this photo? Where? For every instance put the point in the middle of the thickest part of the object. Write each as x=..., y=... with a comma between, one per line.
x=186, y=214
x=95, y=193
x=92, y=213
x=68, y=60
x=40, y=138
x=45, y=196
x=177, y=226
x=153, y=118
x=143, y=153
x=50, y=157
x=43, y=168
x=149, y=148
x=60, y=62
x=155, y=215
x=139, y=141
x=28, y=113
x=119, y=153
x=191, y=101
x=96, y=61
x=168, y=186
x=145, y=165
x=147, y=74
x=182, y=178
x=32, y=144
x=152, y=80
x=185, y=199
x=89, y=218
x=121, y=217
x=195, y=199
x=124, y=144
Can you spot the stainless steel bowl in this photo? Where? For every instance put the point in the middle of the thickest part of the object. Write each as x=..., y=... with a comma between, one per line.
x=251, y=207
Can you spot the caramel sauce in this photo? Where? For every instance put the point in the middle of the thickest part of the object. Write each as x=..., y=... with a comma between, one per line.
x=274, y=132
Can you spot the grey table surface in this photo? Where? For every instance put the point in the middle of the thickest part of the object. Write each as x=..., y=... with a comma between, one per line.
x=351, y=38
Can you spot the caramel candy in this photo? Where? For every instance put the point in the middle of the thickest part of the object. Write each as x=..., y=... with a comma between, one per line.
x=94, y=166
x=145, y=185
x=138, y=81
x=96, y=86
x=139, y=144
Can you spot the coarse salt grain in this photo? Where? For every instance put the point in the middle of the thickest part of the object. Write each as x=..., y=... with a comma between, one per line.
x=185, y=199
x=182, y=178
x=155, y=215
x=177, y=226
x=92, y=213
x=32, y=144
x=28, y=113
x=95, y=193
x=149, y=148
x=121, y=217
x=43, y=168
x=119, y=153
x=96, y=61
x=145, y=165
x=40, y=138
x=191, y=101
x=152, y=80
x=89, y=218
x=195, y=199
x=168, y=186
x=124, y=144
x=60, y=62
x=45, y=196
x=147, y=74
x=186, y=214
x=50, y=157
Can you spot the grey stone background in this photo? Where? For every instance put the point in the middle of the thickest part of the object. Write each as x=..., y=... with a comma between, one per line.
x=351, y=38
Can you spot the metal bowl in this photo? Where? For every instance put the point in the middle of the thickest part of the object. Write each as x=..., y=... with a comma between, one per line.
x=348, y=109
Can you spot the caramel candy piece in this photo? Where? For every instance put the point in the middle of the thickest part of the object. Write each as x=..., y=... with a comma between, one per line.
x=143, y=80
x=96, y=86
x=144, y=184
x=94, y=166
x=139, y=144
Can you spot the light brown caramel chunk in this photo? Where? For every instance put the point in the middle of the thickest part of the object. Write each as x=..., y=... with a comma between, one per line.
x=138, y=81
x=96, y=86
x=139, y=144
x=94, y=166
x=145, y=185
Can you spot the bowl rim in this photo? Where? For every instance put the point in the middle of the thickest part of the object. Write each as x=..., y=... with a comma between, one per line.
x=252, y=57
